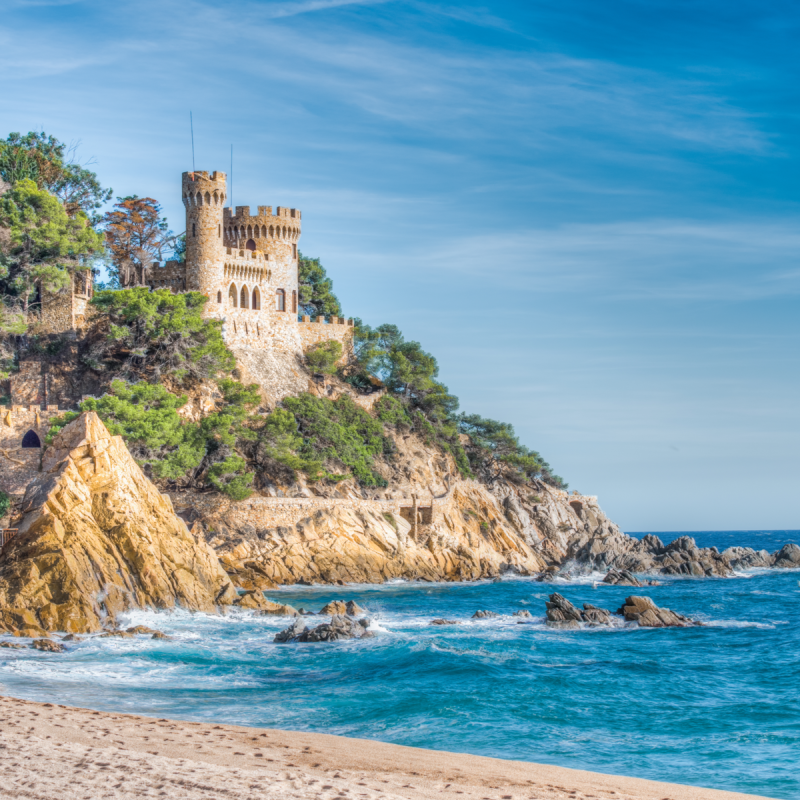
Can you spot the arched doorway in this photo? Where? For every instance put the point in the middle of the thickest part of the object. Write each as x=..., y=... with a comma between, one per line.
x=31, y=439
x=251, y=245
x=232, y=295
x=244, y=298
x=256, y=304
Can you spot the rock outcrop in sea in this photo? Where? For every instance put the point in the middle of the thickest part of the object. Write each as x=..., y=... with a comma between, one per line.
x=96, y=538
x=561, y=613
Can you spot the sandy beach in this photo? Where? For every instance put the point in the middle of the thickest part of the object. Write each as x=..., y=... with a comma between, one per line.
x=52, y=751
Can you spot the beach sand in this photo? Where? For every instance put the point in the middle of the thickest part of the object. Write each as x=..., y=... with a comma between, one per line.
x=53, y=752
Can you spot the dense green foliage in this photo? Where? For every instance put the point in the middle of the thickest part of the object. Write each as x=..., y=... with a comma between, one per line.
x=322, y=357
x=42, y=246
x=50, y=165
x=170, y=447
x=494, y=450
x=5, y=503
x=340, y=434
x=316, y=290
x=157, y=334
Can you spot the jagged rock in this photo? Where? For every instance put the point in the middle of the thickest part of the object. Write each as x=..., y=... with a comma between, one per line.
x=443, y=622
x=71, y=637
x=560, y=610
x=47, y=646
x=13, y=645
x=522, y=613
x=484, y=615
x=561, y=613
x=594, y=616
x=621, y=577
x=117, y=635
x=788, y=557
x=747, y=558
x=648, y=615
x=161, y=635
x=96, y=539
x=139, y=629
x=278, y=610
x=291, y=633
x=351, y=608
x=340, y=627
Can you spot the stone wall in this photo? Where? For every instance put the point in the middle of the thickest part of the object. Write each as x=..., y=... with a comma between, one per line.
x=338, y=329
x=19, y=465
x=170, y=275
x=45, y=380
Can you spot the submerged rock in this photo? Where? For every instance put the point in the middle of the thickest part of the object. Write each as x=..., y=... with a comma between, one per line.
x=561, y=613
x=621, y=577
x=97, y=539
x=522, y=613
x=648, y=615
x=340, y=627
x=13, y=645
x=443, y=622
x=484, y=615
x=47, y=646
x=351, y=608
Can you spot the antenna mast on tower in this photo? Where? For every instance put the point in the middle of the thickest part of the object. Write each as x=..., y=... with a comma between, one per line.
x=191, y=127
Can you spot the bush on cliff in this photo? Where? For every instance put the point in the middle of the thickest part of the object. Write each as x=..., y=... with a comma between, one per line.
x=171, y=448
x=339, y=433
x=156, y=334
x=322, y=357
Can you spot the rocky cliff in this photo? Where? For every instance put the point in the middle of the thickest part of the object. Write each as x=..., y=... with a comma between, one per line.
x=97, y=538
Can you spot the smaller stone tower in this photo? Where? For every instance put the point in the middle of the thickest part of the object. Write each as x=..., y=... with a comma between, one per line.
x=204, y=196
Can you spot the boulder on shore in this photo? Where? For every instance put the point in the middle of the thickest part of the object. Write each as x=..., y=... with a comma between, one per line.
x=96, y=539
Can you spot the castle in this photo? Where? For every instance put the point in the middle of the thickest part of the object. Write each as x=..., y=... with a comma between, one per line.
x=247, y=267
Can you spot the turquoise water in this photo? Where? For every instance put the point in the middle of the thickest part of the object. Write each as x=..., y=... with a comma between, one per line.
x=714, y=706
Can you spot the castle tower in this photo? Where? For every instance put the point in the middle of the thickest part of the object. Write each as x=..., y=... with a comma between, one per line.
x=204, y=197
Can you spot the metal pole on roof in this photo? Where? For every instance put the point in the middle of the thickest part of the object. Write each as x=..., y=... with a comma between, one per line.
x=191, y=127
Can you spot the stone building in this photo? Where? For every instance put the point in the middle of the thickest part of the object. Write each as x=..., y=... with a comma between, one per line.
x=247, y=267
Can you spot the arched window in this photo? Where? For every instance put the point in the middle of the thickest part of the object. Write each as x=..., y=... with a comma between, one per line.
x=256, y=299
x=251, y=245
x=232, y=295
x=280, y=300
x=219, y=297
x=31, y=439
x=244, y=298
x=294, y=302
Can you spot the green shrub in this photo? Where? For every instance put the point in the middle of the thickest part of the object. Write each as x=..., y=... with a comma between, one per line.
x=322, y=357
x=231, y=477
x=156, y=334
x=341, y=432
x=5, y=503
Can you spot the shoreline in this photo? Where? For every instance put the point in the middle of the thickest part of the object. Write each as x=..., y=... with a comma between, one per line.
x=108, y=755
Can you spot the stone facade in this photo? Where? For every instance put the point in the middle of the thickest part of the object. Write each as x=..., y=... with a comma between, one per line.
x=247, y=266
x=67, y=310
x=20, y=452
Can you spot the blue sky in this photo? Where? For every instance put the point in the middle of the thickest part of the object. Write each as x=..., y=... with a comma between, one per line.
x=587, y=211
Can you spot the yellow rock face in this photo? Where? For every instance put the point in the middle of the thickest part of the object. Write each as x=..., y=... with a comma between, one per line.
x=97, y=538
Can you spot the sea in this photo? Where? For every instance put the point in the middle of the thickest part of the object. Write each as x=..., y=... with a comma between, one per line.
x=715, y=706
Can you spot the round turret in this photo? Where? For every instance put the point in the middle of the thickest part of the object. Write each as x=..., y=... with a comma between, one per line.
x=204, y=197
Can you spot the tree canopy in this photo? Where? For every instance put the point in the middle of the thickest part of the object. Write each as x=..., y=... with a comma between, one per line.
x=316, y=297
x=136, y=235
x=49, y=164
x=43, y=245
